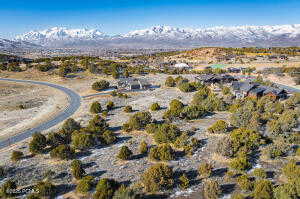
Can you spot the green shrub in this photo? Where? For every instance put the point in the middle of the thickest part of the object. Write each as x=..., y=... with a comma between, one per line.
x=211, y=189
x=226, y=90
x=56, y=138
x=128, y=109
x=288, y=191
x=110, y=105
x=63, y=152
x=259, y=173
x=16, y=155
x=38, y=143
x=82, y=141
x=240, y=163
x=175, y=104
x=245, y=139
x=126, y=128
x=125, y=193
x=158, y=177
x=97, y=125
x=174, y=111
x=192, y=112
x=70, y=125
x=297, y=153
x=151, y=128
x=263, y=189
x=154, y=107
x=184, y=182
x=104, y=113
x=237, y=196
x=276, y=150
x=224, y=147
x=186, y=87
x=201, y=95
x=106, y=188
x=85, y=184
x=166, y=133
x=143, y=148
x=291, y=170
x=182, y=141
x=218, y=127
x=95, y=107
x=14, y=67
x=163, y=152
x=125, y=153
x=4, y=189
x=205, y=170
x=244, y=183
x=77, y=169
x=108, y=137
x=138, y=121
x=46, y=189
x=170, y=82
x=3, y=67
x=44, y=67
x=100, y=85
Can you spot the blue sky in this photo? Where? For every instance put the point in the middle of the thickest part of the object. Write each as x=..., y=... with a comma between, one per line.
x=121, y=16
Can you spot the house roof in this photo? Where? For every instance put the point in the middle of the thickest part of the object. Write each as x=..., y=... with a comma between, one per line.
x=205, y=77
x=275, y=91
x=246, y=87
x=257, y=90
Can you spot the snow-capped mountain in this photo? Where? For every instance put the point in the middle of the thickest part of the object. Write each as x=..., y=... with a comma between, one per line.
x=165, y=36
x=6, y=44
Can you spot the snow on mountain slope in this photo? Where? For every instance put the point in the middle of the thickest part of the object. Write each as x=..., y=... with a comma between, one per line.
x=165, y=36
x=6, y=44
x=57, y=33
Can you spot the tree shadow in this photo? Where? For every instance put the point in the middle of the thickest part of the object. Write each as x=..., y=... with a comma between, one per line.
x=82, y=154
x=89, y=164
x=123, y=139
x=191, y=175
x=64, y=188
x=270, y=174
x=227, y=188
x=97, y=173
x=61, y=175
x=138, y=156
x=26, y=157
x=115, y=128
x=179, y=154
x=219, y=172
x=127, y=183
x=156, y=196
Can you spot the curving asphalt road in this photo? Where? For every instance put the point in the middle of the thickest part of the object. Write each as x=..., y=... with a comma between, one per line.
x=74, y=104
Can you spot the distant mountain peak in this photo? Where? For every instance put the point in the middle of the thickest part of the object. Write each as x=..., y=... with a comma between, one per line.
x=166, y=36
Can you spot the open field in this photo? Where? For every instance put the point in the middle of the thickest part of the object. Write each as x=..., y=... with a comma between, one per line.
x=24, y=106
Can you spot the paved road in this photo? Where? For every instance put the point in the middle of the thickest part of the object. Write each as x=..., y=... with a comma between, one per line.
x=74, y=104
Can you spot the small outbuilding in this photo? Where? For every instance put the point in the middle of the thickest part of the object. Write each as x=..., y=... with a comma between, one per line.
x=133, y=84
x=183, y=66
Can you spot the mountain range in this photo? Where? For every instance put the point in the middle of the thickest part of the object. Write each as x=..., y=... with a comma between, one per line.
x=6, y=44
x=168, y=37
